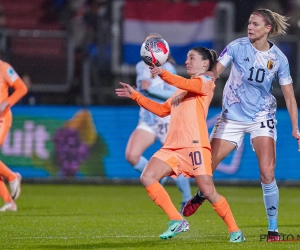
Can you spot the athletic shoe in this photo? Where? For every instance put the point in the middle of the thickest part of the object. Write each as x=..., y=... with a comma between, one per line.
x=237, y=236
x=192, y=205
x=273, y=236
x=9, y=206
x=175, y=227
x=15, y=186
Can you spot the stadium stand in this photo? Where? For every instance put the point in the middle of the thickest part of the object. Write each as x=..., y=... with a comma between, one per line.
x=35, y=42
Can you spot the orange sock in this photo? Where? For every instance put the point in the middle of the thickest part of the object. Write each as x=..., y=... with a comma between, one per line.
x=223, y=210
x=6, y=172
x=4, y=193
x=161, y=198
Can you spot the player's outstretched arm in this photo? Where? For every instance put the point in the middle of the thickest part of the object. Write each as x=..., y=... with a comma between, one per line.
x=160, y=109
x=199, y=85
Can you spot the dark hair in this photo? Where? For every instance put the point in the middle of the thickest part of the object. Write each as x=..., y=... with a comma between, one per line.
x=207, y=54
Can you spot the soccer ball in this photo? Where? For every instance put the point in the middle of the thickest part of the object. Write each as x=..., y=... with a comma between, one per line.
x=155, y=51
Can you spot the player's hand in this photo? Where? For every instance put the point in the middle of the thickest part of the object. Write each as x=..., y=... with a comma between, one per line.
x=126, y=91
x=3, y=106
x=296, y=135
x=155, y=71
x=145, y=84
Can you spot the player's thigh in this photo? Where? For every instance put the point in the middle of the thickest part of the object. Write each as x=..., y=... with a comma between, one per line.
x=263, y=137
x=231, y=131
x=139, y=141
x=158, y=168
x=169, y=157
x=264, y=147
x=4, y=129
x=220, y=149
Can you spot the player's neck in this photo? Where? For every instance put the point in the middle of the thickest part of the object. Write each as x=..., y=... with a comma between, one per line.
x=261, y=45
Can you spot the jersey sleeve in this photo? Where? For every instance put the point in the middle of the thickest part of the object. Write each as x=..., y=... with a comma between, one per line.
x=160, y=109
x=141, y=74
x=13, y=80
x=284, y=74
x=226, y=56
x=9, y=74
x=20, y=89
x=192, y=85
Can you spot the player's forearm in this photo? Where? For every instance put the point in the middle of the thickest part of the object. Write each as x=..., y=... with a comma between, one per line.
x=291, y=104
x=292, y=108
x=218, y=69
x=192, y=85
x=154, y=107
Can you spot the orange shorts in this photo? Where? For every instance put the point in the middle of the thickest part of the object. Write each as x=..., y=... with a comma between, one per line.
x=5, y=124
x=187, y=161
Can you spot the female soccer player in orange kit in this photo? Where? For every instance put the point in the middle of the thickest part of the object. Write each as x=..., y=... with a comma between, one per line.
x=9, y=78
x=151, y=127
x=187, y=149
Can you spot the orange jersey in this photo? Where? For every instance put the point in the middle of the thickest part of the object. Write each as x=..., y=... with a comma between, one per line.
x=188, y=107
x=9, y=78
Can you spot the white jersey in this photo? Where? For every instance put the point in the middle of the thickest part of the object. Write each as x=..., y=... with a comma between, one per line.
x=247, y=94
x=158, y=91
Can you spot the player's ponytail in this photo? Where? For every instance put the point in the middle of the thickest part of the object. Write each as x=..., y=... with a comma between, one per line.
x=213, y=58
x=278, y=22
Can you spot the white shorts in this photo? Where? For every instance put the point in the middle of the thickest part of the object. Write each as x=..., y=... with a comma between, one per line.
x=159, y=129
x=234, y=131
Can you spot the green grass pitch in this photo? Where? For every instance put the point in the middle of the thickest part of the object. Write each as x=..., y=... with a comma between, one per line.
x=123, y=217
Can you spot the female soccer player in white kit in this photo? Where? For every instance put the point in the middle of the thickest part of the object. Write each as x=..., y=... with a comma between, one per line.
x=249, y=107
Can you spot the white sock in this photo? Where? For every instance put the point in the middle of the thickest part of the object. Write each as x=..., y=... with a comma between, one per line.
x=141, y=164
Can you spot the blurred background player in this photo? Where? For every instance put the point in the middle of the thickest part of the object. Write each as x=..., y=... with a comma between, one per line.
x=9, y=78
x=151, y=127
x=250, y=107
